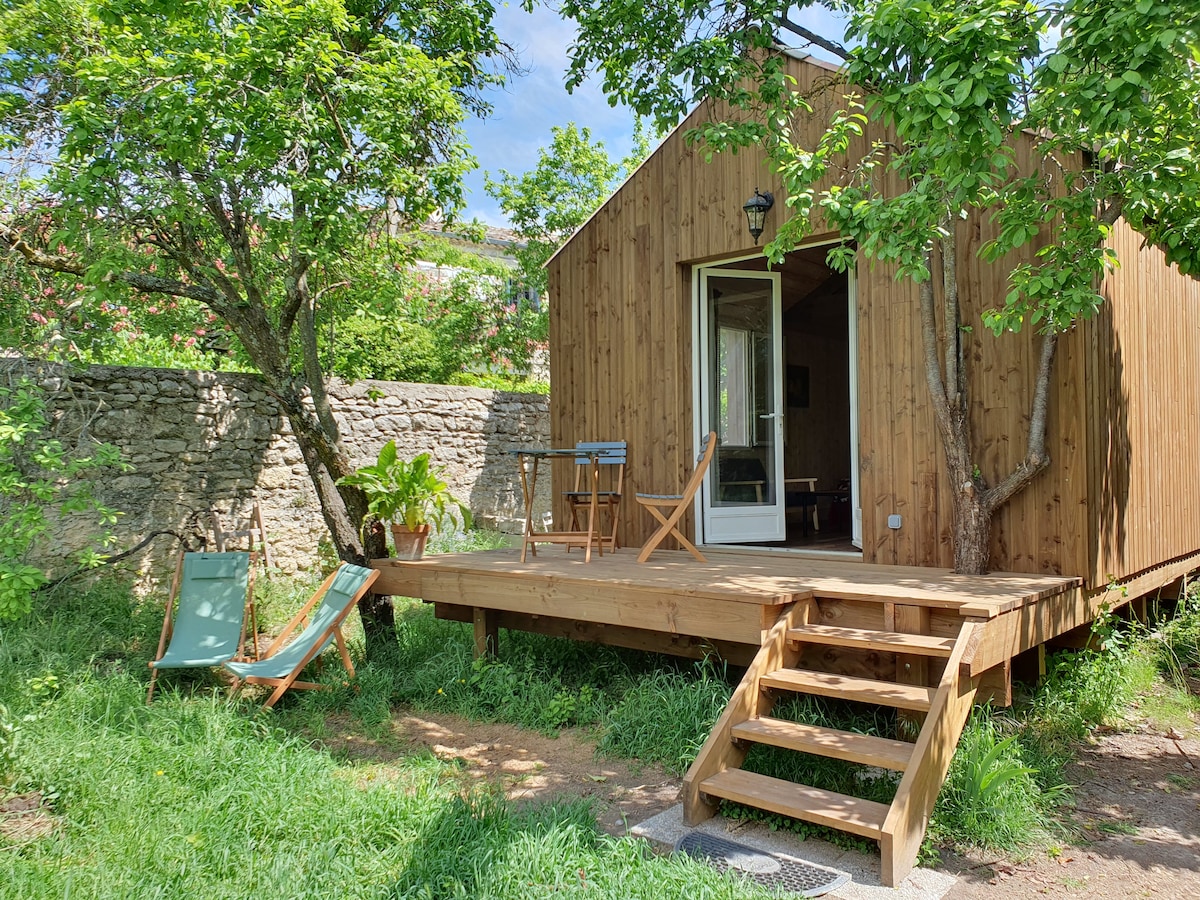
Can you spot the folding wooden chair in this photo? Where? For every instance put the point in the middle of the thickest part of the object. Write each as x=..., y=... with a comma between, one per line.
x=254, y=530
x=285, y=661
x=204, y=623
x=608, y=499
x=669, y=508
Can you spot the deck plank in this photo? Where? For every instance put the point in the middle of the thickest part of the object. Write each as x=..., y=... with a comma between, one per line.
x=757, y=578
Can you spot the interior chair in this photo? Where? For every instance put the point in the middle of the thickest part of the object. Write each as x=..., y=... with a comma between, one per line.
x=284, y=661
x=741, y=478
x=611, y=469
x=668, y=509
x=204, y=623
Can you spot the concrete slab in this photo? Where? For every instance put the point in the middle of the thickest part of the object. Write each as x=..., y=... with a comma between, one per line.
x=663, y=830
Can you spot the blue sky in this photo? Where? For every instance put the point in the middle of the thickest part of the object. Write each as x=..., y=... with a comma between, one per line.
x=531, y=104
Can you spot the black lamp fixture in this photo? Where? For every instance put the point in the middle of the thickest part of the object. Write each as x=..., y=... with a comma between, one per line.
x=756, y=212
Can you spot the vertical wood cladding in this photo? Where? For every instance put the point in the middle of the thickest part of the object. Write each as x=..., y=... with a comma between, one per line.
x=1123, y=431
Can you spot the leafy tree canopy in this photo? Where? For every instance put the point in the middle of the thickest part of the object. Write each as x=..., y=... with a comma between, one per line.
x=545, y=205
x=235, y=154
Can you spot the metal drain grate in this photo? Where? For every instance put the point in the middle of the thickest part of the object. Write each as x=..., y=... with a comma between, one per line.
x=771, y=870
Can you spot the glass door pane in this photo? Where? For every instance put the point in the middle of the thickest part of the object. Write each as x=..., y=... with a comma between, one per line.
x=741, y=387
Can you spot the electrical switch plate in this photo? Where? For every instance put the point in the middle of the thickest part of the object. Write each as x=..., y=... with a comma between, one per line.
x=893, y=521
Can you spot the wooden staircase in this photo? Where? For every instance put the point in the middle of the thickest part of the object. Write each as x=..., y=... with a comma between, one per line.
x=717, y=774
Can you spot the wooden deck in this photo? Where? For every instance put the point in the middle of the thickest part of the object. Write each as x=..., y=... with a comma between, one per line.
x=674, y=604
x=925, y=641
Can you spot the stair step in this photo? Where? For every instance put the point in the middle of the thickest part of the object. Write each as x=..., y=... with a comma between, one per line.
x=846, y=687
x=847, y=745
x=861, y=817
x=891, y=641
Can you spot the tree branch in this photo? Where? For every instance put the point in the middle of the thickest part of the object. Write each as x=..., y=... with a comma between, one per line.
x=1036, y=458
x=812, y=37
x=12, y=241
x=933, y=372
x=953, y=355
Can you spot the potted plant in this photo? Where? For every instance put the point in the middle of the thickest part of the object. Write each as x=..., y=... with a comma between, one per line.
x=411, y=496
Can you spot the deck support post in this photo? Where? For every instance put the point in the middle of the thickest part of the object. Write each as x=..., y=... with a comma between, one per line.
x=911, y=669
x=487, y=633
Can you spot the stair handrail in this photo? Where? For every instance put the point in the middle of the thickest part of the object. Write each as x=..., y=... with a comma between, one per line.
x=904, y=827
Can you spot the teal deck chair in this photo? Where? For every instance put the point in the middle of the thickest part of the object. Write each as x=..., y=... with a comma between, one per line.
x=204, y=623
x=283, y=661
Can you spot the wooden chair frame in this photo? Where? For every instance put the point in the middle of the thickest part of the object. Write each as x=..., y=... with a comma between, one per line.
x=579, y=499
x=254, y=530
x=677, y=504
x=300, y=620
x=168, y=626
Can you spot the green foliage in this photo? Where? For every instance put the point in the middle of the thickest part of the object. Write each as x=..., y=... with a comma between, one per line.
x=1177, y=640
x=58, y=317
x=573, y=176
x=991, y=797
x=665, y=716
x=43, y=484
x=8, y=747
x=407, y=493
x=392, y=350
x=395, y=317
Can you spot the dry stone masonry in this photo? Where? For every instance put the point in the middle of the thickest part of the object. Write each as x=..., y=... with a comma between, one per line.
x=202, y=441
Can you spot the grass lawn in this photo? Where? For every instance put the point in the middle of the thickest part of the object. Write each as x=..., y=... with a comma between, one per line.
x=196, y=797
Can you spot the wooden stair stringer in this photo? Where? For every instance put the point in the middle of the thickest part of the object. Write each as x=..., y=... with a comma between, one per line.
x=720, y=750
x=904, y=827
x=900, y=826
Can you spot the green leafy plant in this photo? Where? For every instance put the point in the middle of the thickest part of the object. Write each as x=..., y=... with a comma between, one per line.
x=410, y=493
x=8, y=747
x=42, y=483
x=991, y=797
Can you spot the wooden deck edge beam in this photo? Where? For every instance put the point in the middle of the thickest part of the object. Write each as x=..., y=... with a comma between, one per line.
x=1019, y=630
x=686, y=646
x=404, y=578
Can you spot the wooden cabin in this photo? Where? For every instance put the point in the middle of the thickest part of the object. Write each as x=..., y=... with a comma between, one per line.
x=824, y=517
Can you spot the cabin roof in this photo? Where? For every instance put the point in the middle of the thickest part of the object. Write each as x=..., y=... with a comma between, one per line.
x=790, y=52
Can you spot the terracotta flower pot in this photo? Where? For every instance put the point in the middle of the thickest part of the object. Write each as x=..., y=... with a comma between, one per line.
x=410, y=544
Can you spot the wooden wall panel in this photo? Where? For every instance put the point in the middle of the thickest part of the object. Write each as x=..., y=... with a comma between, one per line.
x=621, y=367
x=1143, y=390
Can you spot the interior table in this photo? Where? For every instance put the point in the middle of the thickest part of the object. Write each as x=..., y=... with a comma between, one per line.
x=528, y=459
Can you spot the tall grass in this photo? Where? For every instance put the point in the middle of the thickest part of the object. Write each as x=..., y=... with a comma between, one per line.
x=197, y=797
x=665, y=716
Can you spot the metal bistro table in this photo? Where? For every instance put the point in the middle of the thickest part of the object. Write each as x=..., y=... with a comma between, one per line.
x=529, y=475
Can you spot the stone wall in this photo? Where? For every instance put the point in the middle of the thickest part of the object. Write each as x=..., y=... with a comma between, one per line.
x=205, y=441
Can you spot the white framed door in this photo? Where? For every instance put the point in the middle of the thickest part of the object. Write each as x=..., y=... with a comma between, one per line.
x=741, y=399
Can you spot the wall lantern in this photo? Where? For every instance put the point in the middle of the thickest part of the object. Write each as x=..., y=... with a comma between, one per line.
x=756, y=212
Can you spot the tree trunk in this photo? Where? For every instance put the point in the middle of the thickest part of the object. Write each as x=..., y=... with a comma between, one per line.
x=972, y=534
x=974, y=501
x=342, y=509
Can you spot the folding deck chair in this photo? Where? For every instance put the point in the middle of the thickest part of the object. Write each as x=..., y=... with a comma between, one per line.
x=677, y=504
x=608, y=495
x=283, y=664
x=208, y=628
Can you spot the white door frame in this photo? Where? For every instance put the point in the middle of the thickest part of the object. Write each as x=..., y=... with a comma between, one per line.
x=766, y=519
x=700, y=321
